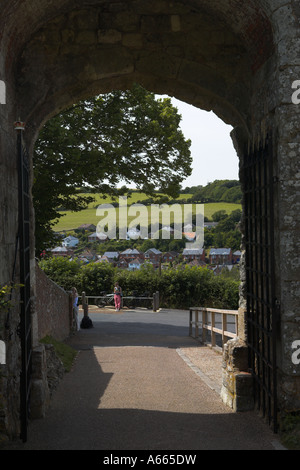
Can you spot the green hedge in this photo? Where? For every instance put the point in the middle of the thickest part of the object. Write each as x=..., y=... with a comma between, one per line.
x=180, y=287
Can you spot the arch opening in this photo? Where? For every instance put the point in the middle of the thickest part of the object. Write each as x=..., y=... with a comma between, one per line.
x=217, y=56
x=201, y=56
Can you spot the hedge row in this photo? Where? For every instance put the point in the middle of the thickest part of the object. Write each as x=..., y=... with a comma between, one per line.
x=182, y=287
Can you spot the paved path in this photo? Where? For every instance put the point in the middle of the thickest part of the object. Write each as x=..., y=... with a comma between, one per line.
x=133, y=386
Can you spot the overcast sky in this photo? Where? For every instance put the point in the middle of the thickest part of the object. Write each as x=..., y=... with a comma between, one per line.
x=214, y=156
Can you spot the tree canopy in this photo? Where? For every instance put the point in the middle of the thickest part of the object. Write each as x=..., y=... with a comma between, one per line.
x=100, y=143
x=217, y=191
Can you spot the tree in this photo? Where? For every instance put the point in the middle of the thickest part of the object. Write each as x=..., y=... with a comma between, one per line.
x=219, y=215
x=98, y=143
x=217, y=191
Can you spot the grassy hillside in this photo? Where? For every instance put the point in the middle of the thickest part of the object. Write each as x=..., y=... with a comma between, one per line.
x=72, y=220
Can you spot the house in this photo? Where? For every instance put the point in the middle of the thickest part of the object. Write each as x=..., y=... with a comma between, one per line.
x=131, y=254
x=70, y=241
x=62, y=251
x=169, y=256
x=87, y=256
x=97, y=237
x=105, y=259
x=196, y=262
x=220, y=256
x=122, y=264
x=93, y=237
x=236, y=257
x=135, y=264
x=190, y=254
x=153, y=256
x=111, y=255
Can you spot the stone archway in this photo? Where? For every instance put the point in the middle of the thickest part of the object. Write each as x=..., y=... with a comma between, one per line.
x=230, y=57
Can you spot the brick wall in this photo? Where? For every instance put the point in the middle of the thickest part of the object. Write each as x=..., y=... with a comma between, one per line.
x=52, y=308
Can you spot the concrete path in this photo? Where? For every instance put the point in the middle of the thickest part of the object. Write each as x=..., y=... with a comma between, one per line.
x=140, y=383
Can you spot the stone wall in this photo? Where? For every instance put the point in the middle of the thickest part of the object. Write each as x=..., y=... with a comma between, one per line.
x=53, y=317
x=53, y=308
x=237, y=385
x=287, y=200
x=235, y=57
x=48, y=370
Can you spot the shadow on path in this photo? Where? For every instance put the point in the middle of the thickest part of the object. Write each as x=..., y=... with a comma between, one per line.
x=129, y=390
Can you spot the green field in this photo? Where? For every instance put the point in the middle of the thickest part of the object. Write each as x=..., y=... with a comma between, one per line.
x=72, y=220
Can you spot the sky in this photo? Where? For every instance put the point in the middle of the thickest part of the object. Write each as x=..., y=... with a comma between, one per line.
x=214, y=157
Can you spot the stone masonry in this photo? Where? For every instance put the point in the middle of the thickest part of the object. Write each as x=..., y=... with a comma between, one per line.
x=236, y=58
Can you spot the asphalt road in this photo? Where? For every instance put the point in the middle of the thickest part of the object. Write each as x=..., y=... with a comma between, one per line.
x=131, y=391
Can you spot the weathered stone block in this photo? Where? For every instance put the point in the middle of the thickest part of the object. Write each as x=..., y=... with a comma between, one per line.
x=132, y=40
x=86, y=37
x=55, y=369
x=288, y=393
x=110, y=36
x=175, y=23
x=237, y=383
x=155, y=24
x=126, y=21
x=237, y=391
x=68, y=35
x=39, y=399
x=244, y=384
x=236, y=355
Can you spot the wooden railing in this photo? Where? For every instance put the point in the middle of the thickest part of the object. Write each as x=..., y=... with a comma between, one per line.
x=219, y=324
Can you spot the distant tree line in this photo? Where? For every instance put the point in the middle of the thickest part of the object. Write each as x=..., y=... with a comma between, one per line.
x=217, y=191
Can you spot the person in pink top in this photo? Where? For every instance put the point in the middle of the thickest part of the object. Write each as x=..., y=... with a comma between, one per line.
x=117, y=296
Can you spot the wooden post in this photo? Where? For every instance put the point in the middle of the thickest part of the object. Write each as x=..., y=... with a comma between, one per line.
x=196, y=323
x=204, y=325
x=85, y=306
x=155, y=301
x=213, y=333
x=236, y=319
x=224, y=328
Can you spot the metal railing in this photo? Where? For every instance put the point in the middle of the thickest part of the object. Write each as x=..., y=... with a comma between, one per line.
x=132, y=301
x=213, y=327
